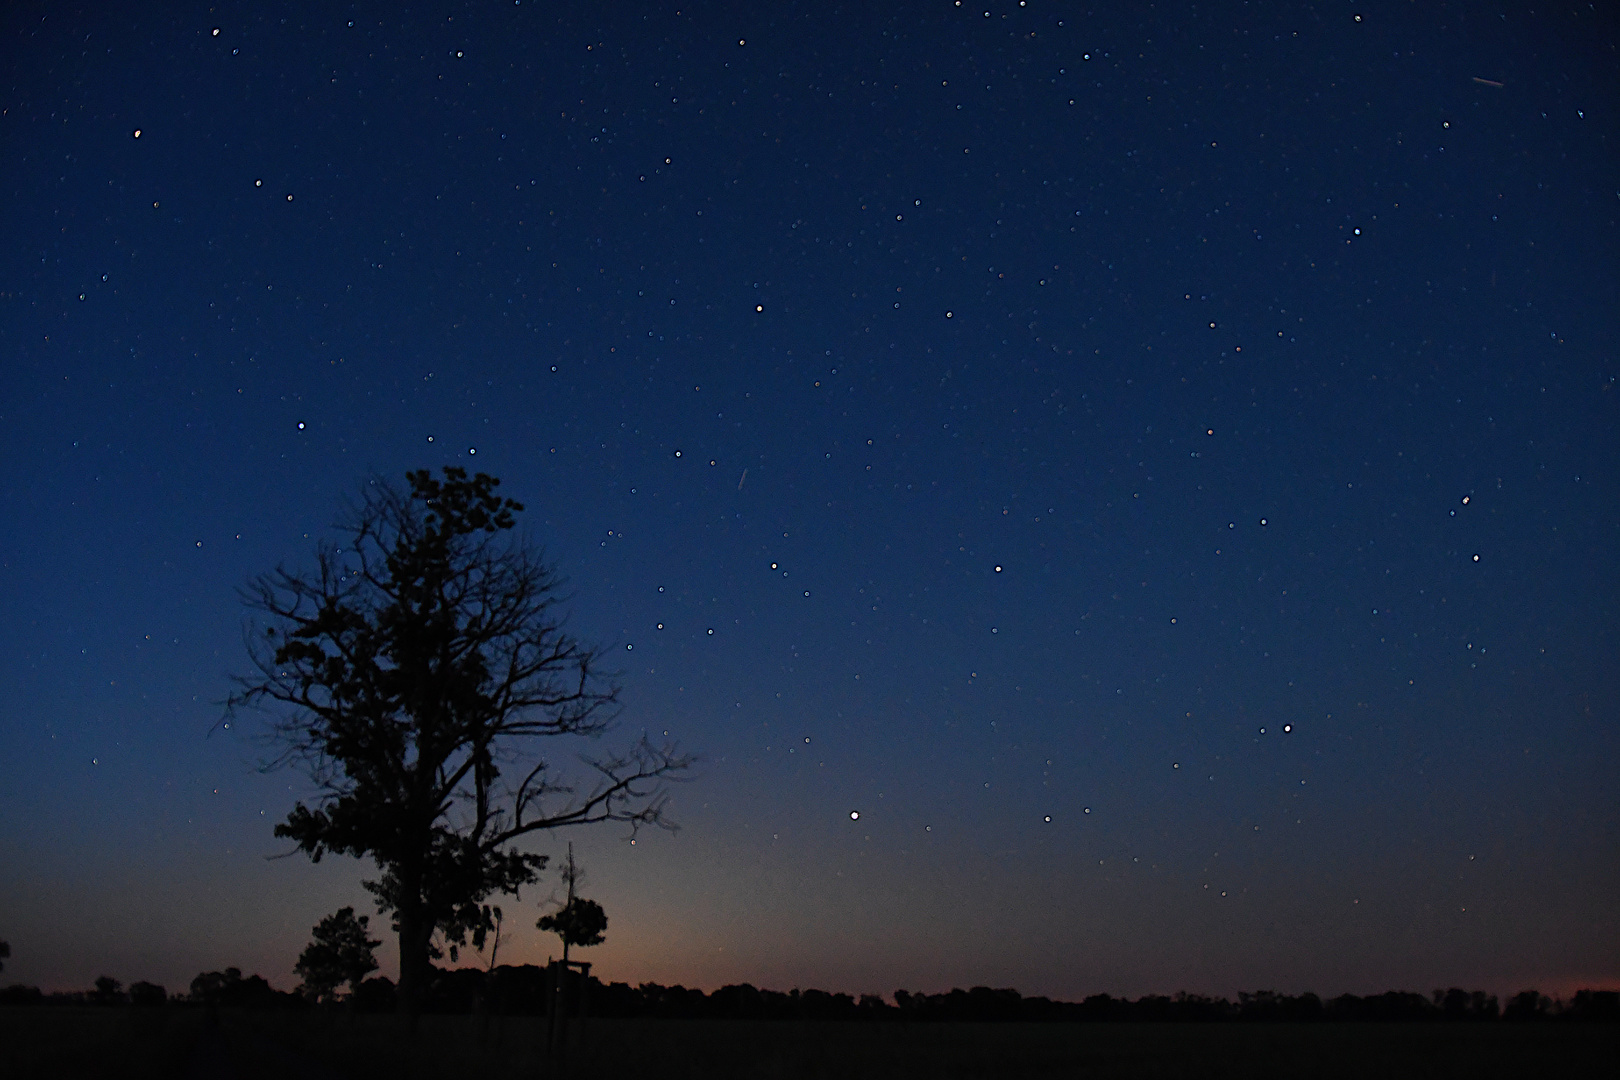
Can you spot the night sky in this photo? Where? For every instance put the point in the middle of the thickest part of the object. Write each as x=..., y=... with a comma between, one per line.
x=1156, y=466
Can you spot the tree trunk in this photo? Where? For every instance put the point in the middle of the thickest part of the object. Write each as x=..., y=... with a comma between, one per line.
x=414, y=937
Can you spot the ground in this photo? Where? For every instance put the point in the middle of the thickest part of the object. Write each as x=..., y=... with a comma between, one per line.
x=133, y=1044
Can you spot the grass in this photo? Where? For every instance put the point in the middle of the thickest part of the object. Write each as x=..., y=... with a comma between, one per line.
x=131, y=1044
x=450, y=1048
x=89, y=1043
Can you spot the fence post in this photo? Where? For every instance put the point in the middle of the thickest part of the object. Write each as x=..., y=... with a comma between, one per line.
x=556, y=1014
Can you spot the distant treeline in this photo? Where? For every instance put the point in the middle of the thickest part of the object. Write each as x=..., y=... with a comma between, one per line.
x=521, y=991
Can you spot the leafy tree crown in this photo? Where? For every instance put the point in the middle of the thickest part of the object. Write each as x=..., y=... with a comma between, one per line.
x=579, y=922
x=339, y=953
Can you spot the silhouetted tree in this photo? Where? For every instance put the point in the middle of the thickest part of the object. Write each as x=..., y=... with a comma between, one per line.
x=147, y=994
x=340, y=953
x=1527, y=1005
x=1459, y=1004
x=210, y=986
x=5, y=954
x=413, y=665
x=872, y=1006
x=228, y=989
x=579, y=921
x=493, y=918
x=108, y=991
x=1596, y=1006
x=18, y=994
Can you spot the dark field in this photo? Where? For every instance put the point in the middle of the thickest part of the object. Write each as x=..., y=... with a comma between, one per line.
x=131, y=1044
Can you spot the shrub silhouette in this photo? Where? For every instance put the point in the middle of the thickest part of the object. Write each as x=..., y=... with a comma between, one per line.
x=147, y=994
x=1527, y=1005
x=228, y=989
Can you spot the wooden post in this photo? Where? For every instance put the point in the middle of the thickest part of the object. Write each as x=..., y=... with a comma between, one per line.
x=556, y=1014
x=583, y=1006
x=567, y=1005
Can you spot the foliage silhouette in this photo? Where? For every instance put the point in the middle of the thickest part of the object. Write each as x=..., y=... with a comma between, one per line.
x=340, y=953
x=1594, y=1006
x=109, y=991
x=18, y=994
x=210, y=986
x=1460, y=1004
x=228, y=989
x=578, y=922
x=5, y=954
x=1527, y=1005
x=417, y=662
x=495, y=917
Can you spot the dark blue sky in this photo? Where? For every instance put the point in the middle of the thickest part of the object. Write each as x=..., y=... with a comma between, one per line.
x=1156, y=466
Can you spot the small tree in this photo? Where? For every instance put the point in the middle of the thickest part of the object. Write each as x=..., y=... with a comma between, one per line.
x=5, y=953
x=419, y=661
x=340, y=953
x=1528, y=1005
x=494, y=915
x=579, y=921
x=210, y=986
